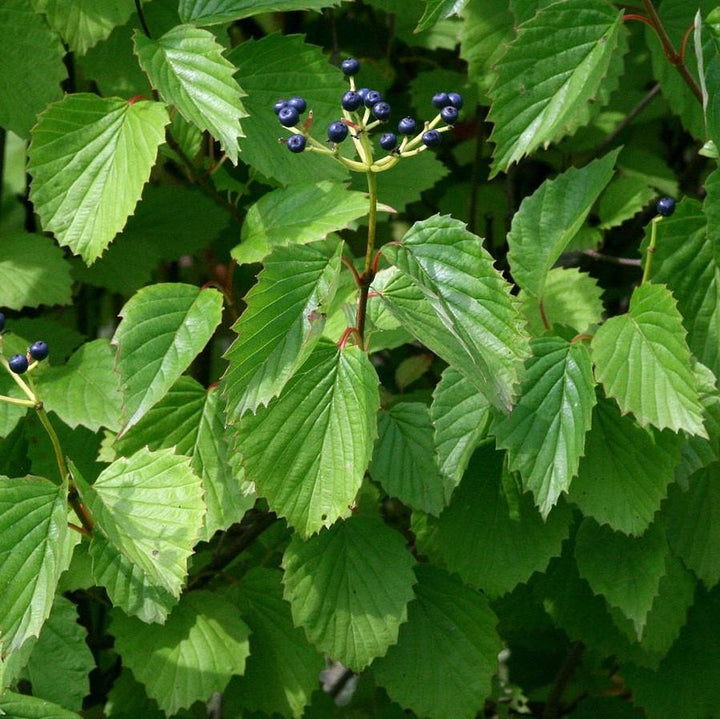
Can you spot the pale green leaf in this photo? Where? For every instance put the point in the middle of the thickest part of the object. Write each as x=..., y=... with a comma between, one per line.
x=631, y=580
x=281, y=324
x=89, y=159
x=34, y=272
x=31, y=66
x=405, y=461
x=35, y=549
x=200, y=647
x=282, y=670
x=349, y=587
x=150, y=508
x=625, y=472
x=643, y=361
x=456, y=276
x=436, y=10
x=213, y=12
x=549, y=219
x=187, y=67
x=21, y=706
x=550, y=72
x=297, y=215
x=308, y=450
x=86, y=390
x=163, y=328
x=483, y=543
x=545, y=432
x=446, y=655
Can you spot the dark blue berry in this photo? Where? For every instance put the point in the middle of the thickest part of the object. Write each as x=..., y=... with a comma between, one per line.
x=351, y=100
x=2, y=321
x=388, y=141
x=288, y=116
x=432, y=138
x=665, y=206
x=381, y=110
x=363, y=91
x=298, y=103
x=350, y=66
x=440, y=99
x=39, y=350
x=337, y=131
x=296, y=143
x=456, y=100
x=449, y=114
x=407, y=126
x=371, y=98
x=279, y=106
x=18, y=364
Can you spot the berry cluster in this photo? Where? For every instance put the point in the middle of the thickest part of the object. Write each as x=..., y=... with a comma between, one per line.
x=21, y=363
x=364, y=110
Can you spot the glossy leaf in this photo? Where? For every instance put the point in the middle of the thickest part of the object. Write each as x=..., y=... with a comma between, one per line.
x=214, y=12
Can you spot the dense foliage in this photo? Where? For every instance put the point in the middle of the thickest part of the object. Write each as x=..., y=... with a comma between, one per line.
x=376, y=388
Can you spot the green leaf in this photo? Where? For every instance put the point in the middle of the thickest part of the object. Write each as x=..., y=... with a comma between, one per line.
x=545, y=432
x=150, y=508
x=404, y=459
x=436, y=10
x=34, y=272
x=624, y=197
x=188, y=69
x=282, y=670
x=631, y=580
x=651, y=338
x=469, y=296
x=195, y=653
x=459, y=414
x=20, y=706
x=550, y=72
x=570, y=298
x=483, y=543
x=297, y=215
x=59, y=665
x=127, y=699
x=35, y=549
x=693, y=524
x=625, y=472
x=349, y=587
x=89, y=159
x=31, y=66
x=83, y=23
x=549, y=219
x=85, y=391
x=214, y=12
x=163, y=328
x=442, y=665
x=307, y=451
x=281, y=324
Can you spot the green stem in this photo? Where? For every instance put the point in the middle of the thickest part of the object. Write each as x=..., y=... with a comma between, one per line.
x=18, y=380
x=42, y=415
x=367, y=274
x=650, y=251
x=16, y=400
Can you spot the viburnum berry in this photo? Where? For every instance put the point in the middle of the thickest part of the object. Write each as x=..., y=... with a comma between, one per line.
x=337, y=131
x=371, y=98
x=350, y=66
x=351, y=100
x=388, y=141
x=407, y=126
x=298, y=103
x=381, y=110
x=18, y=364
x=279, y=106
x=288, y=116
x=39, y=350
x=456, y=100
x=449, y=114
x=432, y=138
x=296, y=143
x=665, y=206
x=440, y=99
x=363, y=91
x=2, y=321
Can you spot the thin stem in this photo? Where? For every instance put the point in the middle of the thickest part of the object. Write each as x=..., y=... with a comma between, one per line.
x=57, y=448
x=564, y=675
x=644, y=102
x=18, y=380
x=626, y=261
x=349, y=264
x=141, y=15
x=650, y=250
x=367, y=273
x=543, y=316
x=17, y=400
x=639, y=18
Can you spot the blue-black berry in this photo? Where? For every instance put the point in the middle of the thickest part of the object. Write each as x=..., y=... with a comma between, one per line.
x=2, y=321
x=363, y=91
x=288, y=116
x=432, y=138
x=279, y=106
x=18, y=363
x=39, y=350
x=337, y=131
x=351, y=100
x=456, y=100
x=381, y=110
x=440, y=100
x=371, y=98
x=298, y=103
x=449, y=114
x=665, y=206
x=296, y=143
x=350, y=66
x=388, y=141
x=407, y=126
